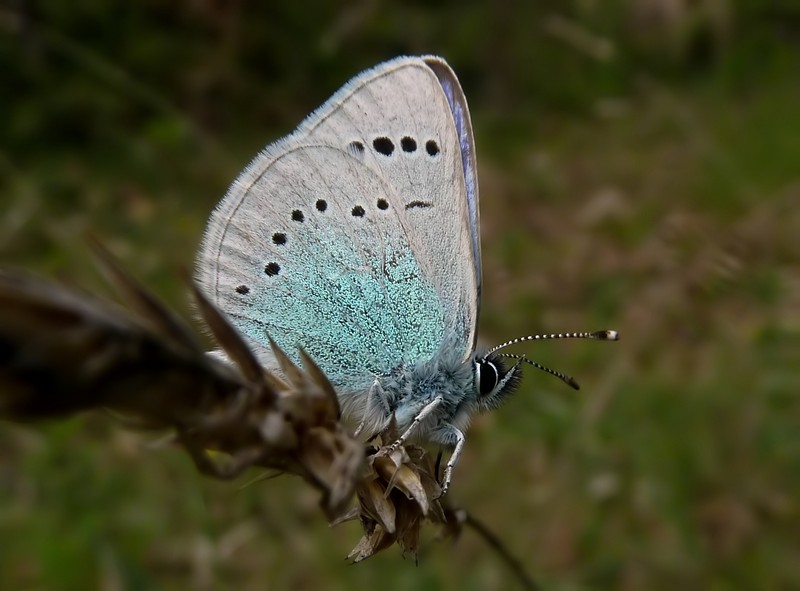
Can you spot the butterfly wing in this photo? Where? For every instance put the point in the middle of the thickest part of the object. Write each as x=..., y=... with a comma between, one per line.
x=356, y=237
x=411, y=116
x=315, y=261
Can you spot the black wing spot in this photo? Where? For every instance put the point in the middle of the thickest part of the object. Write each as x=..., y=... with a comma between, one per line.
x=279, y=238
x=383, y=204
x=431, y=147
x=272, y=269
x=415, y=203
x=322, y=205
x=383, y=145
x=243, y=289
x=357, y=148
x=358, y=211
x=409, y=144
x=298, y=216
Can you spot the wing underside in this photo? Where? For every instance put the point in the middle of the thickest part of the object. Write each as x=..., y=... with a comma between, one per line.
x=356, y=237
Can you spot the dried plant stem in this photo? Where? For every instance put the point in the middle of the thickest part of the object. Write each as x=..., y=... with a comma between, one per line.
x=496, y=544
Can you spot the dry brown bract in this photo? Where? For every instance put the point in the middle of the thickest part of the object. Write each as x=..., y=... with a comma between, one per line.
x=399, y=491
x=63, y=352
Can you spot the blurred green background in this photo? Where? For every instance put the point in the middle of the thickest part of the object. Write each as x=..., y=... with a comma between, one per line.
x=640, y=170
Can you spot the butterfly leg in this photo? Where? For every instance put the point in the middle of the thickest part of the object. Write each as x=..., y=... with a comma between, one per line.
x=459, y=437
x=425, y=412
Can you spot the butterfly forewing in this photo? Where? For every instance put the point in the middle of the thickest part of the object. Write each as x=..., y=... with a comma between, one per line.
x=403, y=116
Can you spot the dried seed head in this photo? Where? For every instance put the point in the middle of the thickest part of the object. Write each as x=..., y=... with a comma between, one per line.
x=228, y=416
x=68, y=352
x=398, y=492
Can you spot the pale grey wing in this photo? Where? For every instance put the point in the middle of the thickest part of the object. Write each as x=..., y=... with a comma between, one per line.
x=308, y=247
x=408, y=120
x=460, y=110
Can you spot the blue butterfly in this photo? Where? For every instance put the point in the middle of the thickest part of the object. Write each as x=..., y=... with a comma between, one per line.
x=357, y=238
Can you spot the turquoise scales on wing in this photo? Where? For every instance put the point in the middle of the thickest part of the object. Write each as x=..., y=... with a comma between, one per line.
x=349, y=294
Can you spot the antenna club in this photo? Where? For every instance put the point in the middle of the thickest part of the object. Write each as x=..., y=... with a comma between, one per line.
x=606, y=335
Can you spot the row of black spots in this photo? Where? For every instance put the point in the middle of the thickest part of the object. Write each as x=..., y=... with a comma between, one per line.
x=298, y=215
x=270, y=270
x=322, y=205
x=384, y=145
x=280, y=239
x=359, y=212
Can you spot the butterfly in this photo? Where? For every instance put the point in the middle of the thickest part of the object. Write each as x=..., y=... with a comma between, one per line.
x=356, y=237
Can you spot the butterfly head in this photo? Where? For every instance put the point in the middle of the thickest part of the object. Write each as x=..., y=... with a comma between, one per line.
x=494, y=380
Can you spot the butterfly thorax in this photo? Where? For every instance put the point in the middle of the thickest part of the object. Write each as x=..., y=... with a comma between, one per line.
x=406, y=389
x=446, y=380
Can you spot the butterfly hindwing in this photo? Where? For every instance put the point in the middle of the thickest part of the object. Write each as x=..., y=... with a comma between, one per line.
x=302, y=257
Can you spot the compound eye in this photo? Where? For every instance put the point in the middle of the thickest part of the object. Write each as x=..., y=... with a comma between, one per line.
x=488, y=376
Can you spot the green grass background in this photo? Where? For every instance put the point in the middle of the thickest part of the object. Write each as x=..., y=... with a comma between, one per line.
x=640, y=170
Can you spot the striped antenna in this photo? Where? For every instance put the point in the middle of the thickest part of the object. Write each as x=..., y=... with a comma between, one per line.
x=600, y=335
